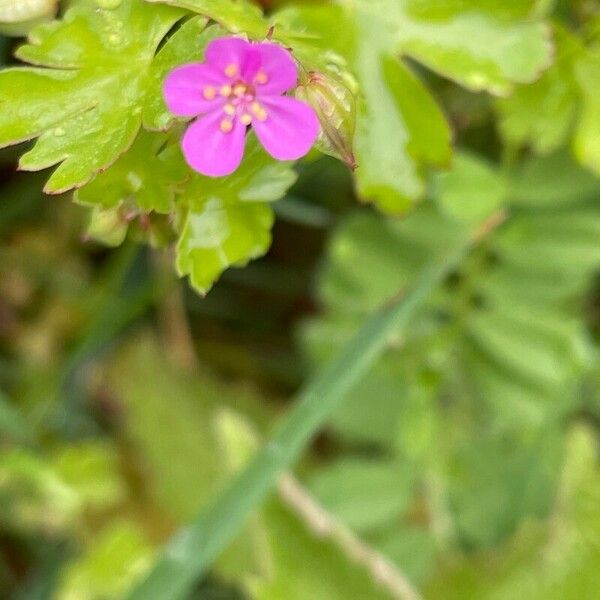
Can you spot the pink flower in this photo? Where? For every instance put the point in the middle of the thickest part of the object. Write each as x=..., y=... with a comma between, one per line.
x=239, y=84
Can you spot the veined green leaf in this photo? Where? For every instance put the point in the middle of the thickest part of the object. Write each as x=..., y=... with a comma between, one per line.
x=144, y=178
x=86, y=105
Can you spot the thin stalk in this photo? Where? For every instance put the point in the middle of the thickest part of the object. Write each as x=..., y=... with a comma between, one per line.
x=192, y=551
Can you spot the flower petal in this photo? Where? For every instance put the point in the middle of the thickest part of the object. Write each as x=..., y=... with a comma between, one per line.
x=193, y=89
x=224, y=52
x=209, y=150
x=278, y=66
x=290, y=128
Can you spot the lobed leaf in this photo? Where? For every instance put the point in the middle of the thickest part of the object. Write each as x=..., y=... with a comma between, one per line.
x=85, y=106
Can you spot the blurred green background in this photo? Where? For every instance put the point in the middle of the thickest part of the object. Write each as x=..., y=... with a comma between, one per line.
x=465, y=465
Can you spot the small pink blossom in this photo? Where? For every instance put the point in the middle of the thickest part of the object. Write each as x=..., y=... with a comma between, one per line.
x=240, y=84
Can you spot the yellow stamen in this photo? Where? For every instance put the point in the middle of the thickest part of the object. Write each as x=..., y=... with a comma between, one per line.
x=239, y=90
x=225, y=90
x=226, y=125
x=255, y=107
x=261, y=77
x=229, y=109
x=231, y=70
x=209, y=92
x=246, y=119
x=262, y=114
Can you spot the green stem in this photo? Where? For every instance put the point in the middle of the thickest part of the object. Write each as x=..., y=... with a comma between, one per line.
x=191, y=553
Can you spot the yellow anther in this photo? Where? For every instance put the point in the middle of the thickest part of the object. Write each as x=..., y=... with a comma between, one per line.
x=239, y=90
x=225, y=90
x=246, y=119
x=255, y=107
x=209, y=92
x=261, y=77
x=231, y=70
x=229, y=109
x=226, y=125
x=262, y=114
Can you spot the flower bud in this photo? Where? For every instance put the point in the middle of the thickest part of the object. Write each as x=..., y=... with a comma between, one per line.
x=336, y=109
x=107, y=226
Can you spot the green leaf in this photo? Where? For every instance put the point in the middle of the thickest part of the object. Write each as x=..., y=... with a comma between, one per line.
x=217, y=235
x=144, y=178
x=54, y=494
x=541, y=114
x=186, y=45
x=108, y=566
x=477, y=48
x=228, y=222
x=86, y=105
x=553, y=560
x=399, y=126
x=472, y=190
x=307, y=567
x=552, y=181
x=91, y=470
x=174, y=441
x=400, y=129
x=563, y=102
x=364, y=494
x=107, y=226
x=587, y=141
x=237, y=16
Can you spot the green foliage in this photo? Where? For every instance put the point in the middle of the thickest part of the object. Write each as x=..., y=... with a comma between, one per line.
x=559, y=562
x=347, y=486
x=464, y=461
x=177, y=444
x=502, y=339
x=143, y=179
x=86, y=105
x=562, y=103
x=400, y=127
x=502, y=309
x=117, y=556
x=229, y=223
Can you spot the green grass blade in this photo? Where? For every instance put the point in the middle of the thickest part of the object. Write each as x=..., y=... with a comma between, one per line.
x=191, y=553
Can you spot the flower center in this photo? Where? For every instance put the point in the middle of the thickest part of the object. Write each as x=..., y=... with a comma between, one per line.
x=241, y=103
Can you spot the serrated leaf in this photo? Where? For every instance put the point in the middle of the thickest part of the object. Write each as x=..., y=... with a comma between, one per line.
x=476, y=47
x=144, y=178
x=86, y=105
x=186, y=45
x=542, y=113
x=228, y=222
x=400, y=128
x=217, y=235
x=237, y=16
